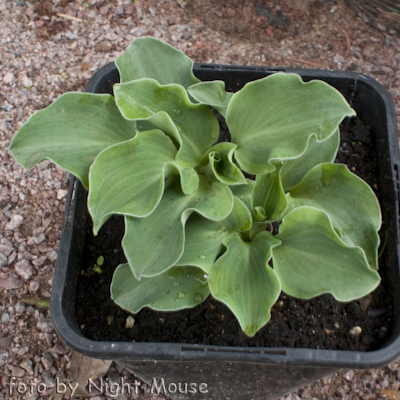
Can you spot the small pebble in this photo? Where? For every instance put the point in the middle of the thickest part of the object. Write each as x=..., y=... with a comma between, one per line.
x=17, y=372
x=27, y=366
x=24, y=269
x=130, y=322
x=45, y=326
x=119, y=10
x=34, y=286
x=5, y=318
x=349, y=375
x=10, y=283
x=48, y=379
x=292, y=396
x=52, y=255
x=71, y=36
x=61, y=194
x=355, y=330
x=6, y=107
x=16, y=220
x=47, y=361
x=3, y=260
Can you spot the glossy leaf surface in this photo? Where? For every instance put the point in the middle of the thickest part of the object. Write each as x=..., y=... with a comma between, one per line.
x=245, y=194
x=217, y=164
x=242, y=280
x=312, y=259
x=155, y=243
x=193, y=126
x=279, y=123
x=317, y=152
x=349, y=201
x=71, y=132
x=204, y=237
x=128, y=178
x=212, y=93
x=149, y=57
x=175, y=289
x=269, y=197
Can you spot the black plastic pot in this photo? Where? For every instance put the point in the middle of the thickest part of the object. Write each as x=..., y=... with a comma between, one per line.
x=236, y=372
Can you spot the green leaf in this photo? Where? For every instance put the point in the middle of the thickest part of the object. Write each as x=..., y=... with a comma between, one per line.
x=312, y=259
x=175, y=289
x=245, y=194
x=256, y=228
x=349, y=201
x=218, y=164
x=36, y=301
x=213, y=94
x=194, y=127
x=268, y=194
x=204, y=237
x=274, y=117
x=242, y=280
x=149, y=57
x=100, y=261
x=155, y=243
x=128, y=178
x=317, y=152
x=71, y=132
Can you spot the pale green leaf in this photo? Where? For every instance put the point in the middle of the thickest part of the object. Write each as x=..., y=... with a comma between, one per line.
x=256, y=228
x=349, y=201
x=312, y=259
x=189, y=177
x=217, y=164
x=268, y=194
x=128, y=178
x=242, y=280
x=204, y=237
x=245, y=194
x=145, y=125
x=155, y=243
x=193, y=126
x=212, y=93
x=175, y=289
x=149, y=57
x=316, y=153
x=71, y=132
x=274, y=117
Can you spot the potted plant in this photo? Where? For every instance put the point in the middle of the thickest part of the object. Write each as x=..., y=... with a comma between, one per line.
x=204, y=217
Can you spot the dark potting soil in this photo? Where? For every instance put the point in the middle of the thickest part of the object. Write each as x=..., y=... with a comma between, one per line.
x=321, y=322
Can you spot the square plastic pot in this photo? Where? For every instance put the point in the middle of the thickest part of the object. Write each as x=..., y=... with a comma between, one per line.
x=241, y=372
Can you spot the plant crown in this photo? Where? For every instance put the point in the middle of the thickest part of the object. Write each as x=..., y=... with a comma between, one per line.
x=194, y=224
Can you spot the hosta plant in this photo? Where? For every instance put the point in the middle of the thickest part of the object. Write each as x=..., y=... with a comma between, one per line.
x=195, y=223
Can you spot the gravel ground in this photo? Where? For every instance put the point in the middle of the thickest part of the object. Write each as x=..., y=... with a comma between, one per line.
x=48, y=47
